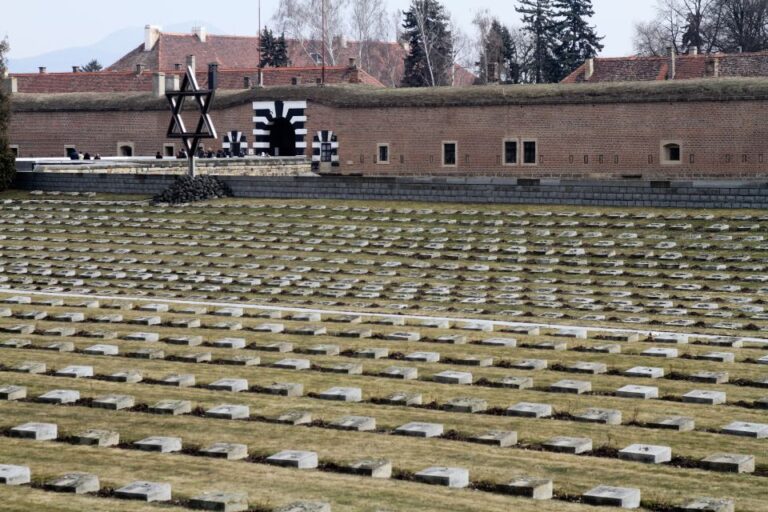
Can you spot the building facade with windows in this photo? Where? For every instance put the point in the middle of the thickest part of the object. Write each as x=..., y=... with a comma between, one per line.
x=655, y=130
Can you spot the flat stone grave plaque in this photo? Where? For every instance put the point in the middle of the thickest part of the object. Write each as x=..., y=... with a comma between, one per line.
x=280, y=347
x=668, y=353
x=355, y=333
x=710, y=377
x=127, y=376
x=730, y=463
x=744, y=429
x=623, y=497
x=36, y=431
x=102, y=350
x=294, y=459
x=530, y=364
x=188, y=341
x=400, y=372
x=572, y=445
x=305, y=506
x=342, y=394
x=232, y=343
x=147, y=337
x=698, y=396
x=646, y=453
x=75, y=372
x=676, y=339
x=114, y=402
x=587, y=367
x=372, y=353
x=229, y=412
x=96, y=437
x=145, y=491
x=577, y=387
x=356, y=423
x=240, y=360
x=424, y=357
x=32, y=367
x=324, y=350
x=228, y=451
x=14, y=475
x=233, y=385
x=403, y=336
x=11, y=393
x=59, y=346
x=287, y=389
x=679, y=423
x=77, y=483
x=272, y=328
x=172, y=407
x=720, y=357
x=450, y=477
x=419, y=429
x=705, y=504
x=16, y=343
x=530, y=487
x=373, y=468
x=294, y=417
x=179, y=380
x=453, y=377
x=59, y=396
x=645, y=372
x=466, y=405
x=595, y=415
x=293, y=364
x=159, y=444
x=635, y=391
x=403, y=398
x=530, y=410
x=500, y=438
x=220, y=501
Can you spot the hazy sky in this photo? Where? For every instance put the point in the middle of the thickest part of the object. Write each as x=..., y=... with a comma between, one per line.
x=39, y=26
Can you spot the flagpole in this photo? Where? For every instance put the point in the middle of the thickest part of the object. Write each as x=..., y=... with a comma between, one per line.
x=322, y=80
x=258, y=78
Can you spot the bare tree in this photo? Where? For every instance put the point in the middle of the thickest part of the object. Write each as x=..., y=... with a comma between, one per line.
x=482, y=21
x=368, y=24
x=462, y=51
x=745, y=25
x=302, y=21
x=649, y=39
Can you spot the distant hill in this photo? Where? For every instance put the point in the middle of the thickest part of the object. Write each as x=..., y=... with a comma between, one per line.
x=106, y=51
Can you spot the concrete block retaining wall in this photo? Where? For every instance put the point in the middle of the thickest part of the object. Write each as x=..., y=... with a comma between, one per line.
x=712, y=194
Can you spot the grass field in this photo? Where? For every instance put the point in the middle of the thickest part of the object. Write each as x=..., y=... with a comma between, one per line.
x=588, y=294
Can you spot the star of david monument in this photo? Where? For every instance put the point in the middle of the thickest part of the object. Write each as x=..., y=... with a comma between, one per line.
x=203, y=99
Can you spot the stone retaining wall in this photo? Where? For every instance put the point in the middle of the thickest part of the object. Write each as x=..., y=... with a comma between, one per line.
x=299, y=166
x=505, y=191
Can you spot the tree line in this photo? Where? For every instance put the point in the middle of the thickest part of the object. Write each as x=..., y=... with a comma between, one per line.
x=554, y=39
x=704, y=26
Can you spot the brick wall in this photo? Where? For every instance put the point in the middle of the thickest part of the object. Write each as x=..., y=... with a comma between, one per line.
x=719, y=139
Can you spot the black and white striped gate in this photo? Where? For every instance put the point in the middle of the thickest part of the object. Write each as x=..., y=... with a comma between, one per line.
x=265, y=113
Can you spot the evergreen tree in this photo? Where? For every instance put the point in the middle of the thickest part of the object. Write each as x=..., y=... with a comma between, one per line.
x=267, y=43
x=280, y=54
x=92, y=66
x=499, y=50
x=429, y=62
x=274, y=50
x=578, y=40
x=7, y=160
x=539, y=22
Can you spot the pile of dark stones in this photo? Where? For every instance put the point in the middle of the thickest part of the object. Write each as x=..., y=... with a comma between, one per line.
x=187, y=189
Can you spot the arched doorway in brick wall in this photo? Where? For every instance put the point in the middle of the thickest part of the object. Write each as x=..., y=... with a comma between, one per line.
x=282, y=138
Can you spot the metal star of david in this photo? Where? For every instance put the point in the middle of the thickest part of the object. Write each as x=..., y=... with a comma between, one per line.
x=204, y=99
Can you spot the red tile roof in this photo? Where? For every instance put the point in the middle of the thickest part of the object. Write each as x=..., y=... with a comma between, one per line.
x=623, y=69
x=383, y=60
x=124, y=81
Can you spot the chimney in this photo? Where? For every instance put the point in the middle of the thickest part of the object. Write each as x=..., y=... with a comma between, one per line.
x=201, y=33
x=75, y=69
x=151, y=35
x=177, y=67
x=672, y=63
x=172, y=83
x=10, y=85
x=352, y=63
x=158, y=85
x=213, y=76
x=295, y=80
x=246, y=82
x=589, y=69
x=693, y=51
x=43, y=70
x=739, y=49
x=343, y=41
x=139, y=69
x=717, y=68
x=492, y=73
x=191, y=62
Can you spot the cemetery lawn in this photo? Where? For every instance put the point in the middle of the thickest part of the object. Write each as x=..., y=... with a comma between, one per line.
x=166, y=287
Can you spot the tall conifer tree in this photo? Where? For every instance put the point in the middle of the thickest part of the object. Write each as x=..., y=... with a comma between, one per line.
x=430, y=59
x=578, y=41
